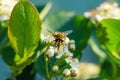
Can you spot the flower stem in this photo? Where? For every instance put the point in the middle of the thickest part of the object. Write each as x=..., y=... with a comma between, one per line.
x=51, y=75
x=46, y=59
x=46, y=67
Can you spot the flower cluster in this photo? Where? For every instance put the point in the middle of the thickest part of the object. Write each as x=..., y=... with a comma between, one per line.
x=105, y=10
x=61, y=48
x=6, y=7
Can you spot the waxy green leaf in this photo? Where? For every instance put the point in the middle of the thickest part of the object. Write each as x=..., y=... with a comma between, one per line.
x=24, y=29
x=108, y=35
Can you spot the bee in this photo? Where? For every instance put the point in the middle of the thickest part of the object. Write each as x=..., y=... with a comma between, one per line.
x=60, y=38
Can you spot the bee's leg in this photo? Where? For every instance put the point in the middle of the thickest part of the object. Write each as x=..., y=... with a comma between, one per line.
x=61, y=45
x=58, y=45
x=55, y=43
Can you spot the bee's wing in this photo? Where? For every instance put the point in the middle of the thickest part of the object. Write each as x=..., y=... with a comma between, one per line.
x=50, y=31
x=67, y=32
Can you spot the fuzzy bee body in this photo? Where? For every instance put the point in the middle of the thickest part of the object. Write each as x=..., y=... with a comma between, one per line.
x=59, y=38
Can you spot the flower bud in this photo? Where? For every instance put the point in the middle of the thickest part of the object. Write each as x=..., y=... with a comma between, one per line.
x=72, y=47
x=67, y=40
x=72, y=42
x=50, y=52
x=74, y=72
x=66, y=72
x=68, y=54
x=55, y=68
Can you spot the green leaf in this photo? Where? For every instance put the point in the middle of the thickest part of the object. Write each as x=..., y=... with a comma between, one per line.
x=108, y=35
x=63, y=21
x=24, y=29
x=24, y=34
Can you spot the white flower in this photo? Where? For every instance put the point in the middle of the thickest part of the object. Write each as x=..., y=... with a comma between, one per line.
x=6, y=7
x=50, y=52
x=105, y=10
x=73, y=62
x=68, y=54
x=55, y=68
x=99, y=18
x=62, y=52
x=108, y=10
x=107, y=6
x=66, y=72
x=67, y=40
x=90, y=13
x=65, y=52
